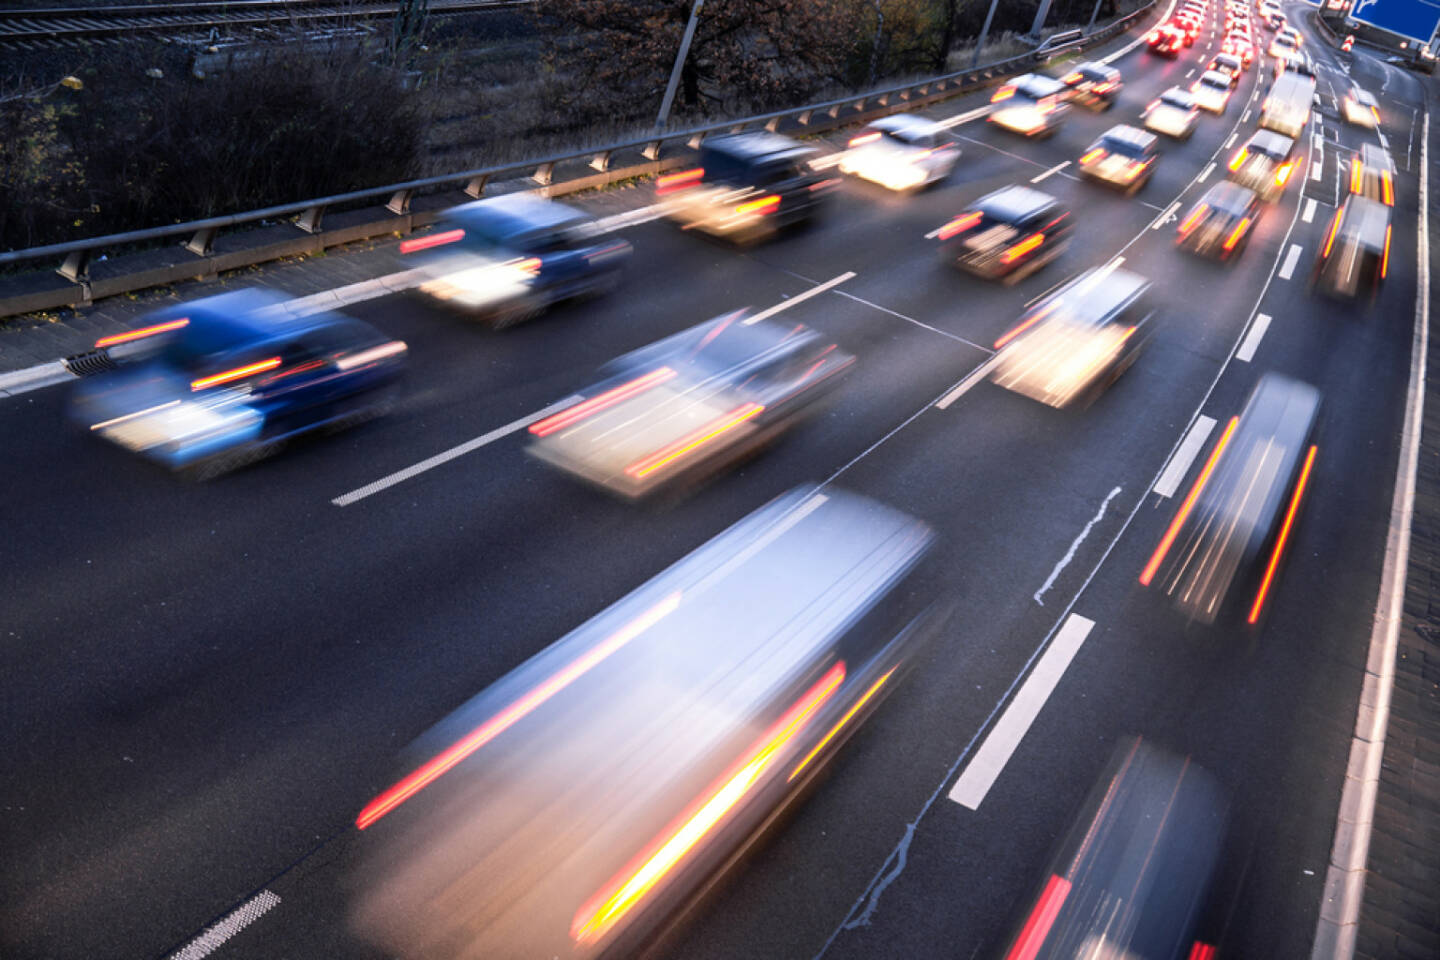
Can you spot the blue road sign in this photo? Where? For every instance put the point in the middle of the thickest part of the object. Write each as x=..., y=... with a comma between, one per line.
x=1415, y=19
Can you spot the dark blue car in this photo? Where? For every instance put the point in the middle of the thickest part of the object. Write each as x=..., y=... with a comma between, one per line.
x=208, y=386
x=509, y=258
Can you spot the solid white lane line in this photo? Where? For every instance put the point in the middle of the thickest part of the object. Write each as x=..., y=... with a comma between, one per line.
x=1053, y=170
x=798, y=298
x=1161, y=220
x=1074, y=545
x=918, y=323
x=1317, y=169
x=965, y=117
x=1179, y=465
x=980, y=774
x=963, y=387
x=1253, y=338
x=1205, y=174
x=236, y=920
x=1309, y=213
x=1287, y=269
x=400, y=476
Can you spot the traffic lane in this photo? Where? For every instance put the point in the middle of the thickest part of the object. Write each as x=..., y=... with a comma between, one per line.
x=503, y=517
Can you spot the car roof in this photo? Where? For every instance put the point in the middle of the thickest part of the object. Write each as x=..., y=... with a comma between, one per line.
x=238, y=320
x=1130, y=136
x=906, y=123
x=1270, y=143
x=1215, y=78
x=1037, y=85
x=1098, y=69
x=1177, y=96
x=1229, y=197
x=1365, y=98
x=1226, y=58
x=1014, y=203
x=1097, y=295
x=757, y=145
x=1373, y=155
x=517, y=213
x=1365, y=221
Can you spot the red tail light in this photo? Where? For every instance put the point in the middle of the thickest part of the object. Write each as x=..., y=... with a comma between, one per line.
x=1173, y=530
x=599, y=402
x=416, y=244
x=1042, y=918
x=1330, y=237
x=1193, y=219
x=142, y=333
x=1284, y=535
x=1022, y=248
x=679, y=181
x=239, y=373
x=960, y=224
x=1095, y=154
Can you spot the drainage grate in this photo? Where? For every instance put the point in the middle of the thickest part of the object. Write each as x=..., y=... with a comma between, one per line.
x=88, y=363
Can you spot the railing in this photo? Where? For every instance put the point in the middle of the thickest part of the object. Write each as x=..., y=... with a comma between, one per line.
x=85, y=275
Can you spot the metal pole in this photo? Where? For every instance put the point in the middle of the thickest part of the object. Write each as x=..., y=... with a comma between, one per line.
x=1094, y=13
x=984, y=32
x=679, y=62
x=1040, y=16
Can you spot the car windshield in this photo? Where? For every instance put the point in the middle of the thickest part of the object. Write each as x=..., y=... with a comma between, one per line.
x=1215, y=81
x=1124, y=146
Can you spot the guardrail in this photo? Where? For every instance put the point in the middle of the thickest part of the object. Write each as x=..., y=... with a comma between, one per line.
x=86, y=274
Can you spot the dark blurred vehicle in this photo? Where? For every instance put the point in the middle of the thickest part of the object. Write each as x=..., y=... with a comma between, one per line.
x=747, y=187
x=1123, y=157
x=1224, y=546
x=1032, y=104
x=682, y=408
x=1008, y=234
x=577, y=804
x=1264, y=164
x=1220, y=224
x=509, y=258
x=1361, y=108
x=1076, y=342
x=1372, y=174
x=1228, y=64
x=1131, y=878
x=1356, y=254
x=1094, y=84
x=1173, y=113
x=1166, y=40
x=211, y=385
x=901, y=152
x=1212, y=91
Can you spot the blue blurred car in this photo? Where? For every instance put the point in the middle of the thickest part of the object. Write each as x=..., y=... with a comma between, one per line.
x=509, y=258
x=217, y=383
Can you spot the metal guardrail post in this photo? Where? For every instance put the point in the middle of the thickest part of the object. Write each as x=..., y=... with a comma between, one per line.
x=651, y=151
x=400, y=202
x=310, y=220
x=202, y=244
x=804, y=118
x=76, y=267
x=772, y=123
x=544, y=174
x=476, y=187
x=601, y=161
x=694, y=142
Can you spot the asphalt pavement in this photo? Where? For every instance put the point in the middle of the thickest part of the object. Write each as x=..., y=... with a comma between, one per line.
x=207, y=682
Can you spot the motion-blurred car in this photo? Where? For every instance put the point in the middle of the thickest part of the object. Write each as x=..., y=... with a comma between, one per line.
x=1239, y=45
x=1032, y=104
x=1123, y=157
x=1264, y=164
x=212, y=385
x=901, y=152
x=681, y=409
x=509, y=258
x=1212, y=91
x=1283, y=47
x=1361, y=108
x=1219, y=225
x=1076, y=342
x=747, y=187
x=1356, y=254
x=1287, y=107
x=1132, y=876
x=1223, y=548
x=1228, y=64
x=1166, y=40
x=576, y=805
x=1094, y=84
x=1173, y=113
x=1008, y=234
x=1372, y=174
